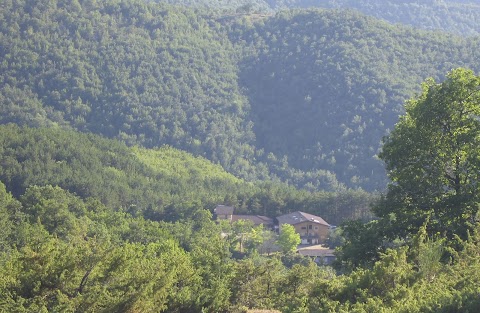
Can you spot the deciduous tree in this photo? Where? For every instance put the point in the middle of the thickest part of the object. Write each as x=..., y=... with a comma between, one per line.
x=289, y=239
x=433, y=160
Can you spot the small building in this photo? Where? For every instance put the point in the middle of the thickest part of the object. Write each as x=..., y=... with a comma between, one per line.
x=255, y=219
x=313, y=230
x=223, y=212
x=319, y=254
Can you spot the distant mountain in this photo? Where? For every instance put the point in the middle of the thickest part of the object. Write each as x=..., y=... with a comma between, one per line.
x=145, y=73
x=303, y=96
x=455, y=16
x=460, y=17
x=325, y=86
x=238, y=6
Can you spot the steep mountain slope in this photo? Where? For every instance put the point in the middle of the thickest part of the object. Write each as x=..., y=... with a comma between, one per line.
x=143, y=73
x=455, y=16
x=303, y=97
x=460, y=17
x=325, y=86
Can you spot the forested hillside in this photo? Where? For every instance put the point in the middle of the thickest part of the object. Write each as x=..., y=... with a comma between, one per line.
x=63, y=252
x=303, y=96
x=160, y=184
x=454, y=16
x=123, y=123
x=325, y=86
x=143, y=73
x=224, y=6
x=460, y=17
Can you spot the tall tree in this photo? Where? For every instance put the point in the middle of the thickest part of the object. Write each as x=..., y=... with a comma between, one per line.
x=289, y=239
x=9, y=212
x=433, y=160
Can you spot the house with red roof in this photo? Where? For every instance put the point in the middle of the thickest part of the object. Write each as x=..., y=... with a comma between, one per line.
x=223, y=212
x=313, y=229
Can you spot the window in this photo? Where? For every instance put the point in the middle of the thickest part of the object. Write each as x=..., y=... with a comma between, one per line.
x=316, y=227
x=309, y=226
x=303, y=227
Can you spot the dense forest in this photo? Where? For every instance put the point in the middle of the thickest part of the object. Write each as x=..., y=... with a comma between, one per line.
x=123, y=123
x=158, y=184
x=64, y=252
x=325, y=86
x=60, y=253
x=142, y=73
x=453, y=16
x=303, y=96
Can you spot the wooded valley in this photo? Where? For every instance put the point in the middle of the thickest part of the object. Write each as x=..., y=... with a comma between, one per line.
x=304, y=97
x=123, y=123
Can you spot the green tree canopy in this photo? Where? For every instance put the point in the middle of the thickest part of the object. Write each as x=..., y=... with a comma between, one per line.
x=289, y=239
x=433, y=161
